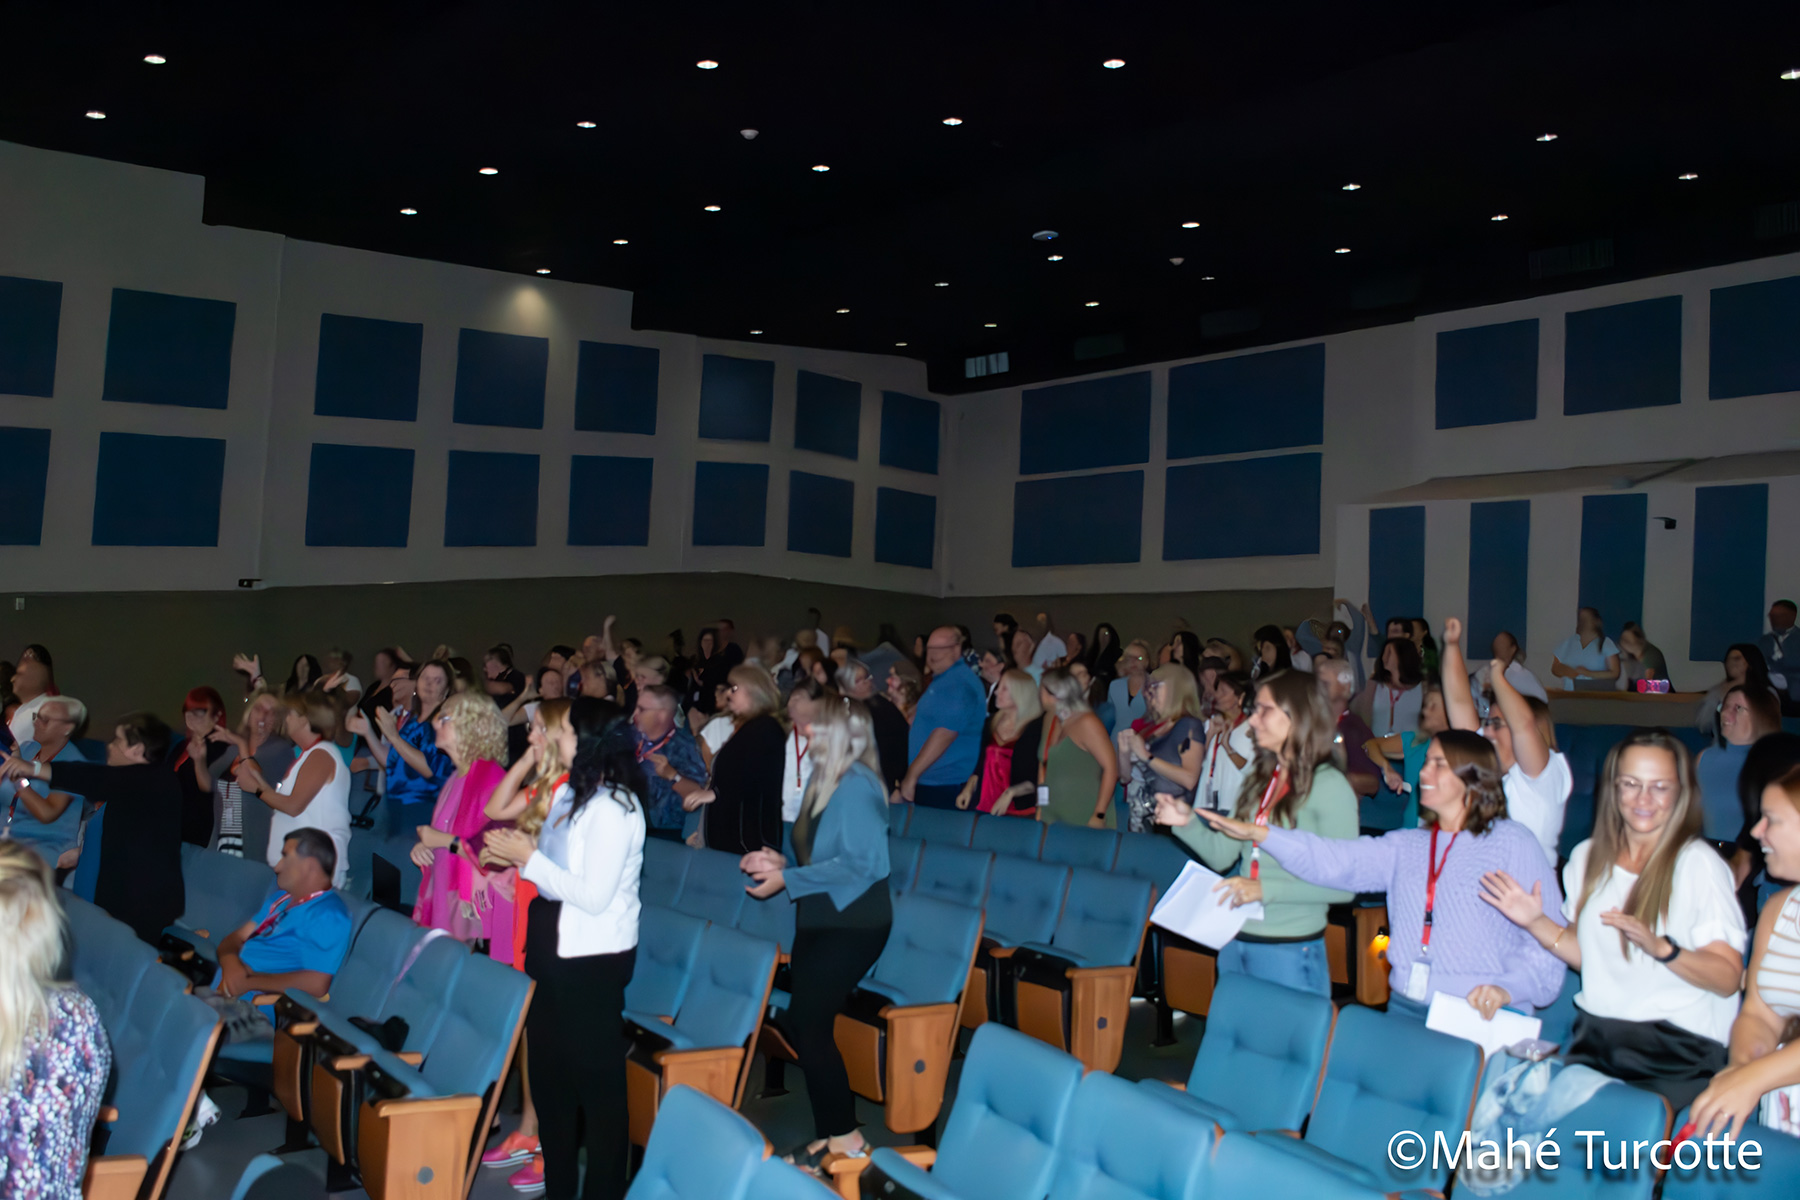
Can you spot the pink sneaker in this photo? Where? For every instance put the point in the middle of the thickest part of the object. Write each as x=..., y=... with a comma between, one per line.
x=514, y=1149
x=529, y=1178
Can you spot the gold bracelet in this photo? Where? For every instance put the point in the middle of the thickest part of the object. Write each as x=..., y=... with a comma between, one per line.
x=1558, y=938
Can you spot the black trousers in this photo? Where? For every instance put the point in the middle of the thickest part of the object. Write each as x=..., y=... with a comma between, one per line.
x=577, y=1048
x=832, y=952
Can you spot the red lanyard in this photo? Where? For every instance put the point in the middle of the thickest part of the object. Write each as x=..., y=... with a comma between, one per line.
x=1394, y=695
x=1270, y=795
x=1213, y=762
x=644, y=752
x=280, y=910
x=1434, y=868
x=799, y=755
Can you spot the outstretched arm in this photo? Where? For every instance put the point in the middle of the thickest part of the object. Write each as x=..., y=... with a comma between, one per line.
x=1528, y=744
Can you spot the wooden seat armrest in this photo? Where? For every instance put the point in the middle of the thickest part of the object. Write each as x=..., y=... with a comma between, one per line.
x=114, y=1177
x=300, y=1029
x=667, y=1058
x=349, y=1062
x=203, y=933
x=1180, y=1086
x=411, y=1058
x=1102, y=972
x=425, y=1105
x=1002, y=951
x=264, y=999
x=107, y=1115
x=1292, y=1133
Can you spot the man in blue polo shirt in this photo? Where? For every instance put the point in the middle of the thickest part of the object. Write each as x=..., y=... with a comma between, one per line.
x=945, y=739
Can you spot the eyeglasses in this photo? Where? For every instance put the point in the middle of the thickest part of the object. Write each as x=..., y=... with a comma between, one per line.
x=1661, y=789
x=943, y=645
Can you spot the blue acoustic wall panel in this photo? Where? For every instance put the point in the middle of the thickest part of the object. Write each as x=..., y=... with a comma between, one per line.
x=1731, y=553
x=615, y=388
x=30, y=314
x=731, y=503
x=1612, y=557
x=905, y=527
x=1078, y=519
x=23, y=485
x=1242, y=508
x=500, y=379
x=1487, y=374
x=1499, y=570
x=827, y=414
x=169, y=350
x=1396, y=563
x=1755, y=339
x=368, y=368
x=1623, y=356
x=737, y=398
x=358, y=495
x=1252, y=402
x=492, y=500
x=1077, y=426
x=909, y=433
x=821, y=509
x=158, y=491
x=609, y=500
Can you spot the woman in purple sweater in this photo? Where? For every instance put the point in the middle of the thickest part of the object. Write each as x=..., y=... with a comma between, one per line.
x=1444, y=937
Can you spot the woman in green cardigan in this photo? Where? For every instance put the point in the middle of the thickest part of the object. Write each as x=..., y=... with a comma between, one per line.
x=1293, y=783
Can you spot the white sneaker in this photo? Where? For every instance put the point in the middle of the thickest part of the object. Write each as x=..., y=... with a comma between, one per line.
x=205, y=1113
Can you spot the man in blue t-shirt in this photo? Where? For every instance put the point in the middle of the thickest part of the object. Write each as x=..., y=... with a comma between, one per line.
x=945, y=740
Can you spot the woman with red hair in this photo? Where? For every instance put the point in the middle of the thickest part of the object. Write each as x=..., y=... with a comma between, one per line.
x=199, y=762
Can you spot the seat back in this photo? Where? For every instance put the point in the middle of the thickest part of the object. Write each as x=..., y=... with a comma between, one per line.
x=713, y=888
x=952, y=826
x=422, y=996
x=159, y=1073
x=1125, y=1144
x=361, y=986
x=903, y=863
x=729, y=988
x=160, y=989
x=107, y=960
x=772, y=919
x=479, y=1025
x=1246, y=1166
x=1625, y=1114
x=928, y=953
x=668, y=944
x=898, y=815
x=1559, y=1018
x=954, y=874
x=1153, y=856
x=687, y=1121
x=1263, y=1050
x=1079, y=846
x=1385, y=1074
x=1025, y=900
x=1774, y=1177
x=222, y=890
x=777, y=1180
x=268, y=1178
x=1103, y=919
x=666, y=866
x=1011, y=1113
x=1018, y=836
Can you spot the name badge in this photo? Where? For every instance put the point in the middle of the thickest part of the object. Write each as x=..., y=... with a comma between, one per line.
x=1043, y=794
x=1418, y=982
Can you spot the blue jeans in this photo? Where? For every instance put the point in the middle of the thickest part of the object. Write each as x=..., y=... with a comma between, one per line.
x=1297, y=965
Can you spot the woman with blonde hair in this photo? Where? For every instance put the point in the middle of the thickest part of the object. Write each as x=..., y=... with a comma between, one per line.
x=453, y=894
x=1652, y=922
x=744, y=801
x=258, y=737
x=843, y=911
x=1163, y=750
x=54, y=1056
x=1077, y=768
x=1128, y=690
x=1293, y=783
x=1005, y=778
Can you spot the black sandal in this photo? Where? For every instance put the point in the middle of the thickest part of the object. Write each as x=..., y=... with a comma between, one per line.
x=807, y=1159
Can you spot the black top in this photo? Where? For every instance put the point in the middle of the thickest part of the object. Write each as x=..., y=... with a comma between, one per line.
x=712, y=672
x=514, y=681
x=196, y=801
x=891, y=732
x=746, y=815
x=139, y=880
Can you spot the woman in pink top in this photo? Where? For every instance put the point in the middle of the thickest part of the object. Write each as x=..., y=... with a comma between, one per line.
x=457, y=894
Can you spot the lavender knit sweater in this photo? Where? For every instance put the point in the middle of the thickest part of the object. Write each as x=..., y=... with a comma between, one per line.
x=1472, y=943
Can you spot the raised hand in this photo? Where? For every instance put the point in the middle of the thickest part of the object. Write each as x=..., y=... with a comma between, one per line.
x=1514, y=902
x=1173, y=810
x=1453, y=630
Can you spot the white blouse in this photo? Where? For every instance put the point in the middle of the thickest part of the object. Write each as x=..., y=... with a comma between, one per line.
x=592, y=863
x=328, y=811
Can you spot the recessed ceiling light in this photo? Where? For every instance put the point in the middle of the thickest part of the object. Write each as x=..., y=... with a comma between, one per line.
x=947, y=121
x=1342, y=250
x=621, y=241
x=1045, y=235
x=1687, y=176
x=585, y=125
x=990, y=325
x=755, y=333
x=1793, y=73
x=1113, y=64
x=1190, y=224
x=1177, y=260
x=95, y=114
x=821, y=167
x=941, y=283
x=1498, y=217
x=899, y=343
x=155, y=60
x=1056, y=258
x=488, y=171
x=1208, y=278
x=842, y=311
x=409, y=212
x=713, y=208
x=1546, y=137
x=1353, y=187
x=749, y=135
x=707, y=64
x=543, y=270
x=1092, y=304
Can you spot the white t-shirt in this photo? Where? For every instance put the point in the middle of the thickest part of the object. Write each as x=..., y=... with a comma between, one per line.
x=1049, y=650
x=1571, y=653
x=1301, y=659
x=796, y=769
x=1538, y=804
x=1220, y=778
x=329, y=810
x=1703, y=908
x=717, y=732
x=1519, y=675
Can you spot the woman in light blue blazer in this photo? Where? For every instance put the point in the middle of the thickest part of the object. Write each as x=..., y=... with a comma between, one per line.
x=843, y=911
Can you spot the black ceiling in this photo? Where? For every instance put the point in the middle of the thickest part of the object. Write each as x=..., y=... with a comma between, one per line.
x=323, y=120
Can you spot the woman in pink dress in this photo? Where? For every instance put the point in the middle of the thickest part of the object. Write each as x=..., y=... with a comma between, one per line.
x=455, y=894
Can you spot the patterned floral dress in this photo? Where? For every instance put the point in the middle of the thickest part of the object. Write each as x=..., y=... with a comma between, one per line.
x=48, y=1108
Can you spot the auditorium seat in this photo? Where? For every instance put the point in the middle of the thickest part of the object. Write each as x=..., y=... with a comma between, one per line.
x=107, y=960
x=898, y=815
x=1011, y=1112
x=713, y=888
x=1559, y=1018
x=771, y=919
x=898, y=1029
x=1259, y=1061
x=1074, y=992
x=1153, y=856
x=222, y=892
x=268, y=1178
x=903, y=863
x=1019, y=836
x=1244, y=1166
x=1024, y=902
x=951, y=826
x=668, y=944
x=954, y=874
x=1385, y=1074
x=1774, y=1178
x=774, y=1179
x=1079, y=846
x=730, y=1150
x=1123, y=1143
x=709, y=1043
x=666, y=865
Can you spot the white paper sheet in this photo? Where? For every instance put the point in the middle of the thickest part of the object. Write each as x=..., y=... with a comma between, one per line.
x=1192, y=909
x=1457, y=1017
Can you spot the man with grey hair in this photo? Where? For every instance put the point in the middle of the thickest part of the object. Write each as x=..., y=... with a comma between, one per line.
x=1337, y=680
x=47, y=821
x=857, y=681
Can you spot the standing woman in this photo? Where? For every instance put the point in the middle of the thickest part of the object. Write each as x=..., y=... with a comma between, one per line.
x=260, y=738
x=198, y=762
x=1230, y=747
x=843, y=911
x=1409, y=749
x=1005, y=779
x=580, y=947
x=315, y=791
x=1272, y=653
x=1079, y=768
x=745, y=796
x=454, y=894
x=1745, y=715
x=54, y=1056
x=1127, y=691
x=1101, y=654
x=1394, y=694
x=1294, y=784
x=1166, y=751
x=1651, y=921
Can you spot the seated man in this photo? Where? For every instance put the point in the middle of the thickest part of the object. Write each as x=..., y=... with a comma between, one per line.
x=47, y=821
x=297, y=939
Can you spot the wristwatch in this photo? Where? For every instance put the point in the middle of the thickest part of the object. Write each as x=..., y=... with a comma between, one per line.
x=1674, y=950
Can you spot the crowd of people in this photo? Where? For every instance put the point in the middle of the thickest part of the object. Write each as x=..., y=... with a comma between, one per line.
x=1321, y=762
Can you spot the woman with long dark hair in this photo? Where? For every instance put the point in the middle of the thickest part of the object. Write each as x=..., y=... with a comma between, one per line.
x=305, y=672
x=580, y=948
x=1101, y=654
x=1394, y=694
x=1744, y=666
x=1272, y=654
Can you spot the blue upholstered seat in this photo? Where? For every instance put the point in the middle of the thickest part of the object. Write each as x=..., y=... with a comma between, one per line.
x=1102, y=921
x=167, y=1042
x=1079, y=846
x=666, y=865
x=954, y=874
x=1025, y=900
x=713, y=889
x=726, y=992
x=776, y=1180
x=668, y=944
x=772, y=919
x=671, y=1170
x=1018, y=836
x=1123, y=1144
x=951, y=826
x=928, y=952
x=422, y=998
x=1250, y=1166
x=222, y=892
x=1151, y=856
x=903, y=863
x=1775, y=1178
